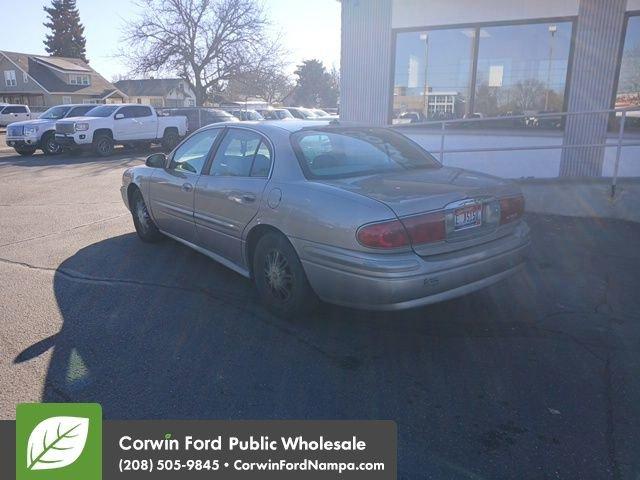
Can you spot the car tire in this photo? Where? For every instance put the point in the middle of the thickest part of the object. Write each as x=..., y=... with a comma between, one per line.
x=25, y=152
x=103, y=145
x=169, y=140
x=280, y=279
x=145, y=226
x=49, y=144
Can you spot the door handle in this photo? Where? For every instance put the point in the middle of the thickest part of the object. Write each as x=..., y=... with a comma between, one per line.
x=248, y=197
x=186, y=187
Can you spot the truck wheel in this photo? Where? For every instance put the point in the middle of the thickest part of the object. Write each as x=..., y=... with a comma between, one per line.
x=170, y=140
x=25, y=151
x=280, y=279
x=49, y=144
x=103, y=145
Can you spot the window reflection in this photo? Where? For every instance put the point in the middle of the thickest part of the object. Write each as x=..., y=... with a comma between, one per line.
x=520, y=70
x=432, y=75
x=628, y=93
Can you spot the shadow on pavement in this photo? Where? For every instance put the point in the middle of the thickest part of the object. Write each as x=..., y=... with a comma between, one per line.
x=525, y=376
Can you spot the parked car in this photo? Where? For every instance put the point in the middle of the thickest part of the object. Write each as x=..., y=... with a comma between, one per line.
x=409, y=117
x=246, y=115
x=28, y=136
x=275, y=114
x=123, y=124
x=199, y=117
x=355, y=216
x=302, y=113
x=322, y=115
x=13, y=113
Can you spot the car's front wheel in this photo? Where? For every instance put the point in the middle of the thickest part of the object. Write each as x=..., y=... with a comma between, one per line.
x=103, y=145
x=280, y=279
x=49, y=144
x=25, y=151
x=145, y=226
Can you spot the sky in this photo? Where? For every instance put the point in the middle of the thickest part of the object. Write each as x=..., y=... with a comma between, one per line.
x=309, y=29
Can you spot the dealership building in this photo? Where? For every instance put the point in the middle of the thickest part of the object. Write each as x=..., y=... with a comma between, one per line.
x=449, y=59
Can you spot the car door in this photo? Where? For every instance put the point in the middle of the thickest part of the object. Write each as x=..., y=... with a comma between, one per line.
x=124, y=125
x=171, y=190
x=228, y=196
x=147, y=123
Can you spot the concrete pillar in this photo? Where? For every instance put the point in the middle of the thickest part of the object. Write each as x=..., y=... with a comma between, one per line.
x=593, y=77
x=365, y=61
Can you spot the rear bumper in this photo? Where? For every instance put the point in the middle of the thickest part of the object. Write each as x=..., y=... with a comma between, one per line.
x=385, y=282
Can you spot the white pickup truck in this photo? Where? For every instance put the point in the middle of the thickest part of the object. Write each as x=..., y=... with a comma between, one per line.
x=123, y=124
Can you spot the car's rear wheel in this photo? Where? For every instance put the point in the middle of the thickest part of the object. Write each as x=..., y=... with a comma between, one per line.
x=145, y=226
x=170, y=140
x=280, y=279
x=103, y=145
x=49, y=144
x=25, y=151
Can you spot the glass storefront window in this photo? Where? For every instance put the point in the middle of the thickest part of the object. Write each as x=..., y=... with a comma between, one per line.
x=432, y=74
x=628, y=93
x=522, y=70
x=519, y=70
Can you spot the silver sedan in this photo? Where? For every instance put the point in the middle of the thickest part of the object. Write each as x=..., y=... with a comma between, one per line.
x=356, y=216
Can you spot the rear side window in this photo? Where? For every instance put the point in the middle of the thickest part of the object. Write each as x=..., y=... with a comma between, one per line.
x=242, y=153
x=351, y=152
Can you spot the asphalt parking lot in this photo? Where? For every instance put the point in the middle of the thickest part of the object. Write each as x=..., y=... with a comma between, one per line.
x=536, y=377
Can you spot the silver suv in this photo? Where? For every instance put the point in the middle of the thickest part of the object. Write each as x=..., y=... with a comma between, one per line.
x=27, y=137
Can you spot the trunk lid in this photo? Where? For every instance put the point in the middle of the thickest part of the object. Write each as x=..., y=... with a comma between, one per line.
x=415, y=192
x=418, y=191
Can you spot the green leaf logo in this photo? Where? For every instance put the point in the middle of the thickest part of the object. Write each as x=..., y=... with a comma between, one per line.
x=56, y=442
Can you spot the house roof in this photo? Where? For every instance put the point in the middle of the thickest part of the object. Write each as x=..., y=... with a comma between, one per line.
x=41, y=69
x=150, y=87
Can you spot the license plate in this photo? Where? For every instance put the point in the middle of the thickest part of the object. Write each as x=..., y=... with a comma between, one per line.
x=467, y=217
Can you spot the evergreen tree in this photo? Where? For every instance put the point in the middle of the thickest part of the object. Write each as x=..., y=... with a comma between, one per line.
x=315, y=87
x=67, y=33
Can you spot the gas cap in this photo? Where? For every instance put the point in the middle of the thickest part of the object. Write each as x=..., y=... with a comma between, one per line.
x=273, y=200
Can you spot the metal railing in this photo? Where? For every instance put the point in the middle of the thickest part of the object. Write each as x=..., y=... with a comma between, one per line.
x=621, y=113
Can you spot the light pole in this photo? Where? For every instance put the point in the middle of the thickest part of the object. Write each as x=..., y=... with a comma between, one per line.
x=424, y=36
x=552, y=30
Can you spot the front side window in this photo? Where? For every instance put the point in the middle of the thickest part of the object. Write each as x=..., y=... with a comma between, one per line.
x=103, y=111
x=193, y=153
x=352, y=152
x=242, y=153
x=15, y=109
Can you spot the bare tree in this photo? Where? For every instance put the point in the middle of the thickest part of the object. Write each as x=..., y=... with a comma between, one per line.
x=271, y=85
x=206, y=42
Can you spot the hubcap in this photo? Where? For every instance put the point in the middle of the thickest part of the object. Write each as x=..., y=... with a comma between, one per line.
x=278, y=275
x=53, y=146
x=143, y=215
x=103, y=146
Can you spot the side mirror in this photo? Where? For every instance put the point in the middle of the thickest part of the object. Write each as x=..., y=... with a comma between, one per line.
x=119, y=116
x=157, y=160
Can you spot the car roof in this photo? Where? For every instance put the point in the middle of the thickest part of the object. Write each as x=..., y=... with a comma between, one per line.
x=265, y=127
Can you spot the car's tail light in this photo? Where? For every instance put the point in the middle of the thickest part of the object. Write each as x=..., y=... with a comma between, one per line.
x=511, y=209
x=426, y=228
x=383, y=235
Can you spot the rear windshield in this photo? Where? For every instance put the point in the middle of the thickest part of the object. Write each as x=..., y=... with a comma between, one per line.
x=353, y=152
x=103, y=111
